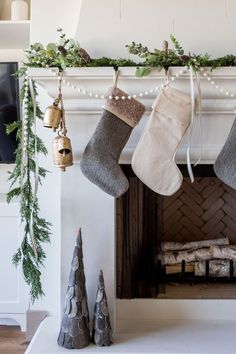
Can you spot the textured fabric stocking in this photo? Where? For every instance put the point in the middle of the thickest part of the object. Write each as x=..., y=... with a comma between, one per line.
x=153, y=159
x=100, y=159
x=225, y=164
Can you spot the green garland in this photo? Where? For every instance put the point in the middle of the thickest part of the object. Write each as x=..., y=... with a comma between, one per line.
x=30, y=253
x=159, y=59
x=68, y=53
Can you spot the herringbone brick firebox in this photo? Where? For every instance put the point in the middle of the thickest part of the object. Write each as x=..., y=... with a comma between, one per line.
x=204, y=210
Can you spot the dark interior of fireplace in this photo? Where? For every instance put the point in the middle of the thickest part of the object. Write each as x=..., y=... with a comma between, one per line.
x=151, y=229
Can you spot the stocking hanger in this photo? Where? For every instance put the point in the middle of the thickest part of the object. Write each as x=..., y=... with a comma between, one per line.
x=115, y=78
x=63, y=129
x=59, y=97
x=167, y=77
x=165, y=45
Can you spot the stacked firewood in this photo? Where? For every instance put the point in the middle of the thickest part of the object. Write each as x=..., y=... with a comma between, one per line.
x=219, y=252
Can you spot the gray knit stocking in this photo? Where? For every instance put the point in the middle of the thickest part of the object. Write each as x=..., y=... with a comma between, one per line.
x=100, y=161
x=225, y=164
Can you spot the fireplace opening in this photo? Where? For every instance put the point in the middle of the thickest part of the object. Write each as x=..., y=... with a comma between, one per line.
x=182, y=246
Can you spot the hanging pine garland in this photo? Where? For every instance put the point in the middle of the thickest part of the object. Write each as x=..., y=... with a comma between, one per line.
x=24, y=179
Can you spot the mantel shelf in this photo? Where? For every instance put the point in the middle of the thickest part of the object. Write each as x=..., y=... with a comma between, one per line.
x=14, y=34
x=98, y=79
x=126, y=72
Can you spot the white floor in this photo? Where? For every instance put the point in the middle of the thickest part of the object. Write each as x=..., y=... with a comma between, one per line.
x=163, y=337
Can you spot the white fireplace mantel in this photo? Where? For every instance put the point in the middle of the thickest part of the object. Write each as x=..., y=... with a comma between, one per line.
x=217, y=108
x=84, y=204
x=98, y=79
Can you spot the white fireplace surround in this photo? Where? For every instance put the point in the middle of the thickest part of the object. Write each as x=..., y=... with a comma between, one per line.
x=83, y=204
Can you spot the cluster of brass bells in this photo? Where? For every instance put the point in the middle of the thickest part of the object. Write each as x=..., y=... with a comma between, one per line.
x=54, y=118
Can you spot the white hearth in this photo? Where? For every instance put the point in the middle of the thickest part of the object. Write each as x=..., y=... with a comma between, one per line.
x=160, y=337
x=84, y=205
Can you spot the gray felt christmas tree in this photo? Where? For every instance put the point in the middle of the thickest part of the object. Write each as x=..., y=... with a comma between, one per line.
x=74, y=332
x=102, y=332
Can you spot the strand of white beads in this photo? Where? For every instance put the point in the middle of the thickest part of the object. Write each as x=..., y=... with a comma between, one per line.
x=136, y=95
x=207, y=76
x=25, y=113
x=204, y=74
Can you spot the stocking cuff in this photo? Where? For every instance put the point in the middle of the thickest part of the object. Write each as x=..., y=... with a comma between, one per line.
x=128, y=110
x=174, y=104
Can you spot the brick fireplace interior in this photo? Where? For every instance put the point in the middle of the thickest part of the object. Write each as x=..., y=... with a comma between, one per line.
x=145, y=221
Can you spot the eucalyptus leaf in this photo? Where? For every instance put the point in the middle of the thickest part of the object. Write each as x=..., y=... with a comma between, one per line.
x=63, y=66
x=51, y=47
x=38, y=46
x=72, y=42
x=62, y=41
x=143, y=71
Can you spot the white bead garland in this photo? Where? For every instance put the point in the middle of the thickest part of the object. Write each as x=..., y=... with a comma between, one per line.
x=205, y=75
x=216, y=86
x=97, y=96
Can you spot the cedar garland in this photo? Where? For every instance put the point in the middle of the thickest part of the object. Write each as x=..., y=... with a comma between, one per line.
x=22, y=187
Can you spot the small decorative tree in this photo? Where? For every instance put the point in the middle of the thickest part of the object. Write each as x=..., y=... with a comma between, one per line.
x=74, y=331
x=102, y=332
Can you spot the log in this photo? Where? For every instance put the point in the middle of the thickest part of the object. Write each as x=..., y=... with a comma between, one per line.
x=176, y=257
x=217, y=268
x=224, y=252
x=177, y=268
x=181, y=246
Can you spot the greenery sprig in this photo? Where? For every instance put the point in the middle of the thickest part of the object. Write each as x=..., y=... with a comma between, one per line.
x=67, y=53
x=159, y=59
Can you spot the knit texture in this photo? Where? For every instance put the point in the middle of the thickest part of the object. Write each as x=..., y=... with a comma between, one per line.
x=100, y=159
x=225, y=164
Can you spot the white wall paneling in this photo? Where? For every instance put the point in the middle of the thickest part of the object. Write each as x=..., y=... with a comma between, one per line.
x=13, y=298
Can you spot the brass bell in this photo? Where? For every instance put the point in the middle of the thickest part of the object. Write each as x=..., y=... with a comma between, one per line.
x=64, y=145
x=52, y=117
x=62, y=152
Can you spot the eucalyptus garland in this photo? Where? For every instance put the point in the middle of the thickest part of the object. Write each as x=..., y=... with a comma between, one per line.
x=164, y=58
x=68, y=53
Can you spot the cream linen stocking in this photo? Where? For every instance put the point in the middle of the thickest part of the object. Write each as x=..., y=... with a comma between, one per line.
x=154, y=158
